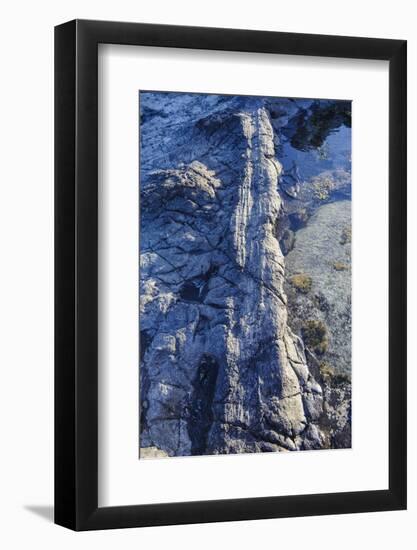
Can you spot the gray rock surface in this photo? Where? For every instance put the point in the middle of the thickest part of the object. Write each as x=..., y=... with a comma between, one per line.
x=322, y=252
x=221, y=370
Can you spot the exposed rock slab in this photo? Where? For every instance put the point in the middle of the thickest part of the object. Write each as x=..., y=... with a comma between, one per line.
x=221, y=370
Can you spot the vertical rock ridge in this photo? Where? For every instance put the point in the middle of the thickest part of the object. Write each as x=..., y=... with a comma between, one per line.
x=222, y=371
x=245, y=202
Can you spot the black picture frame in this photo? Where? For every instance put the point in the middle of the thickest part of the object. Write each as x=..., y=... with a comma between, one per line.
x=76, y=272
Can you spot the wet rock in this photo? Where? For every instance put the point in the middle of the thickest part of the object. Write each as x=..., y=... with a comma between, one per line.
x=298, y=219
x=286, y=243
x=310, y=125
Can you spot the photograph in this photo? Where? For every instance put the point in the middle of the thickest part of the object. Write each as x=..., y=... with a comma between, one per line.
x=205, y=257
x=245, y=274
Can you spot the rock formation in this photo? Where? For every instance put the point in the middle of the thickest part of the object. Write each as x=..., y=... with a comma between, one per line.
x=221, y=370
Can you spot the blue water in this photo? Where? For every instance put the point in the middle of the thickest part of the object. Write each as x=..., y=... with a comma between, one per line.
x=335, y=154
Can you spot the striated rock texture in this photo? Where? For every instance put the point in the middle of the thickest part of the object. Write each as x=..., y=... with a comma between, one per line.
x=221, y=371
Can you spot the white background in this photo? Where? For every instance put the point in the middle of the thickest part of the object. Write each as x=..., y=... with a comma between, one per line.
x=122, y=478
x=26, y=403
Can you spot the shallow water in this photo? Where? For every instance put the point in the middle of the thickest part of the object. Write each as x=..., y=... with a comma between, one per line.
x=335, y=154
x=322, y=252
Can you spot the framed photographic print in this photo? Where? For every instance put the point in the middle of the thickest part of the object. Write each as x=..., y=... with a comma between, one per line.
x=230, y=275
